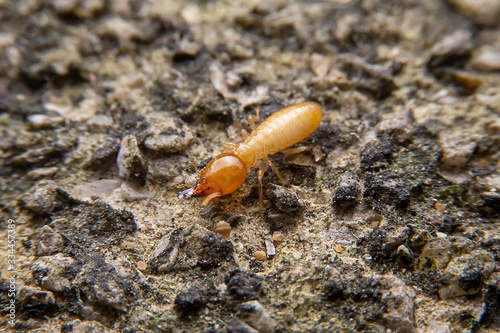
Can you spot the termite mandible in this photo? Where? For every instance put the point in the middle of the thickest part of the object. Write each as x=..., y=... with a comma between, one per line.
x=227, y=171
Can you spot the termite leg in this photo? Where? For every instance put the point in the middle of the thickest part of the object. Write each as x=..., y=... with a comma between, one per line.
x=195, y=167
x=210, y=197
x=228, y=146
x=268, y=162
x=260, y=175
x=253, y=119
x=245, y=133
x=294, y=150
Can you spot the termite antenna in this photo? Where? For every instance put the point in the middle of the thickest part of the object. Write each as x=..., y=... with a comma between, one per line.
x=195, y=167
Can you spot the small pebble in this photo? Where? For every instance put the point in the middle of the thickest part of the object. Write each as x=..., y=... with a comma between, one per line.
x=439, y=206
x=403, y=251
x=367, y=257
x=456, y=150
x=277, y=236
x=441, y=234
x=318, y=154
x=487, y=61
x=41, y=121
x=43, y=172
x=142, y=265
x=255, y=315
x=465, y=79
x=223, y=228
x=451, y=50
x=270, y=249
x=493, y=127
x=131, y=163
x=260, y=255
x=483, y=12
x=347, y=190
x=320, y=65
x=100, y=120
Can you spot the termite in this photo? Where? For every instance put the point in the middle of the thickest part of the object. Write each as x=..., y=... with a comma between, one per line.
x=227, y=171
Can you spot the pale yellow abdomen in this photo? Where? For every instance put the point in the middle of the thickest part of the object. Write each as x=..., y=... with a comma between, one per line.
x=283, y=129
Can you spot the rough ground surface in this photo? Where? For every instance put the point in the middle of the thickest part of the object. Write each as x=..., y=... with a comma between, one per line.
x=392, y=220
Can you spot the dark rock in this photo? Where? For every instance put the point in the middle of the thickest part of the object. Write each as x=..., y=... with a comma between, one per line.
x=453, y=50
x=284, y=199
x=88, y=285
x=335, y=290
x=300, y=175
x=347, y=190
x=243, y=286
x=35, y=302
x=190, y=302
x=449, y=57
x=376, y=155
x=387, y=188
x=358, y=289
x=194, y=247
x=472, y=278
x=99, y=219
x=281, y=220
x=383, y=242
x=209, y=108
x=405, y=256
x=130, y=122
x=449, y=224
x=490, y=318
x=386, y=301
x=104, y=154
x=38, y=157
x=331, y=136
x=131, y=163
x=83, y=223
x=36, y=74
x=105, y=286
x=373, y=79
x=488, y=205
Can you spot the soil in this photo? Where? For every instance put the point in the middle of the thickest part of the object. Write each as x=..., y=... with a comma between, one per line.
x=392, y=219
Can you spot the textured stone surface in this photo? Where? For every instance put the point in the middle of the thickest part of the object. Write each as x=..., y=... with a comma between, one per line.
x=483, y=12
x=391, y=219
x=189, y=248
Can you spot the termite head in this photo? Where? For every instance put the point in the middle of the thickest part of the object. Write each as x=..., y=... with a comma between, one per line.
x=223, y=175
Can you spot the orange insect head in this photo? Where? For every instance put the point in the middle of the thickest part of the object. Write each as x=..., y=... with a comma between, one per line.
x=224, y=174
